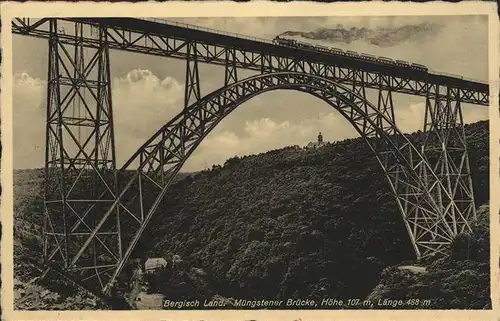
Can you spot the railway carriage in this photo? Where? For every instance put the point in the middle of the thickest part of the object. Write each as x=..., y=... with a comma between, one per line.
x=351, y=53
x=403, y=63
x=419, y=67
x=386, y=60
x=337, y=51
x=368, y=57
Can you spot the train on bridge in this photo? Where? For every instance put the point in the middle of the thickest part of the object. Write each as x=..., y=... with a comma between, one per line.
x=280, y=41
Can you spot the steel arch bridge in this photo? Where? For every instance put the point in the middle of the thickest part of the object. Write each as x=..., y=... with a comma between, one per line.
x=96, y=213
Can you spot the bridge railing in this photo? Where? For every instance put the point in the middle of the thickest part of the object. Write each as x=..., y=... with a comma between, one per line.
x=434, y=72
x=189, y=26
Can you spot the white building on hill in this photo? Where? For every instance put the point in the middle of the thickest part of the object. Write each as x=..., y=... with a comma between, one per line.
x=317, y=144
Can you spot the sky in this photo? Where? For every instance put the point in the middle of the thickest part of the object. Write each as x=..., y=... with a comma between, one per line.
x=148, y=91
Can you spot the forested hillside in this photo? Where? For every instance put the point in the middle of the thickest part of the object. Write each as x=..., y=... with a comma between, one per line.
x=456, y=282
x=291, y=223
x=288, y=223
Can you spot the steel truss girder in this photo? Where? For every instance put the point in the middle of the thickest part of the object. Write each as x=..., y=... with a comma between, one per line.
x=435, y=204
x=231, y=72
x=445, y=149
x=403, y=186
x=192, y=86
x=163, y=155
x=80, y=168
x=175, y=47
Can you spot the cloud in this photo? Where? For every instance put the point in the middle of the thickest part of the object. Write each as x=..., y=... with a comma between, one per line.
x=410, y=118
x=260, y=135
x=142, y=101
x=28, y=120
x=148, y=91
x=260, y=27
x=141, y=104
x=265, y=134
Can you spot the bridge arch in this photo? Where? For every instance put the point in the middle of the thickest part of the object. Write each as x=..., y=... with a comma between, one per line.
x=410, y=176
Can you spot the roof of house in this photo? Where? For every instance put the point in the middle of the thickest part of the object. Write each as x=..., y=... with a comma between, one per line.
x=153, y=262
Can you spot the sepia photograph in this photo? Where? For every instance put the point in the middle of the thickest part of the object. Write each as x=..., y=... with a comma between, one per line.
x=251, y=163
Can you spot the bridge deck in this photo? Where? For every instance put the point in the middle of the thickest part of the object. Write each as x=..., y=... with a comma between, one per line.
x=260, y=46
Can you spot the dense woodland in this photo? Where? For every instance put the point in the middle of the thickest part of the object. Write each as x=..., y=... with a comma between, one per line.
x=291, y=223
x=294, y=223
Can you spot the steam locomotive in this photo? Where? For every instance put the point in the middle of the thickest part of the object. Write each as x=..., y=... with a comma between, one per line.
x=336, y=51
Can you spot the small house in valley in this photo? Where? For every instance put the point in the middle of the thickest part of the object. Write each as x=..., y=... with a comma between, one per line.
x=154, y=264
